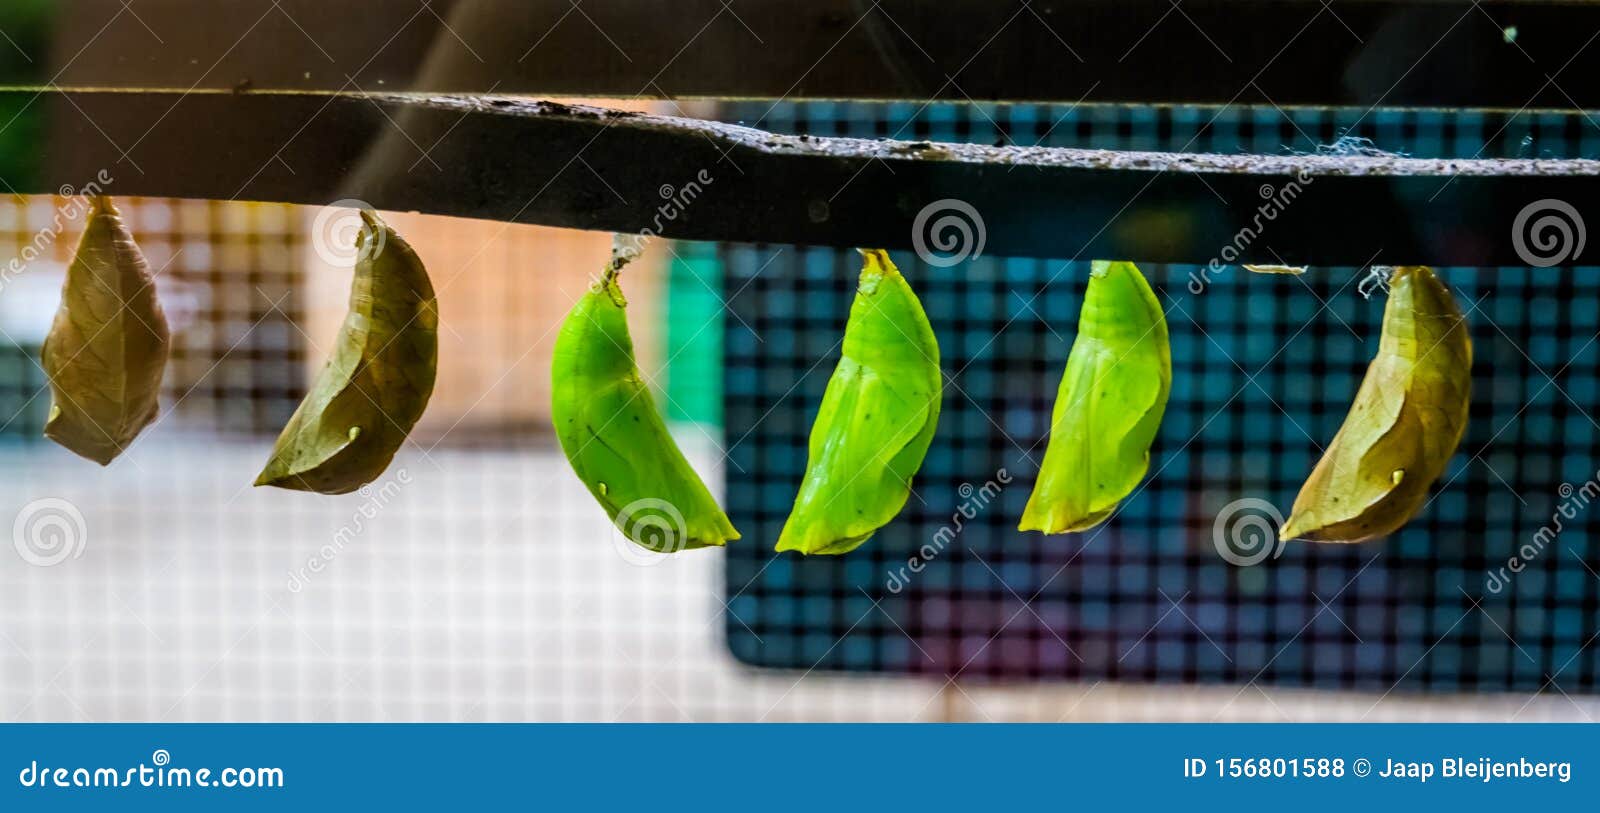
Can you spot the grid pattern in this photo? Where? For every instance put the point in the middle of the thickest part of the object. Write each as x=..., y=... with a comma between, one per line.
x=229, y=278
x=1264, y=370
x=489, y=589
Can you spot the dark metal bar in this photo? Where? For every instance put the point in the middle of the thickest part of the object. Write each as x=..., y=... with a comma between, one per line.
x=588, y=168
x=1499, y=53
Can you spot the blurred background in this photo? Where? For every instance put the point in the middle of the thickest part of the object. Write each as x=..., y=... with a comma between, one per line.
x=478, y=580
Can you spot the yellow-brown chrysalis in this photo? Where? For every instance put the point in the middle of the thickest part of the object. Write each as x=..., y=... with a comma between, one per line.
x=377, y=383
x=107, y=347
x=1405, y=424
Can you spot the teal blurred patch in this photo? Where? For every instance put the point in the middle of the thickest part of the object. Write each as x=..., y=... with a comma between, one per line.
x=694, y=335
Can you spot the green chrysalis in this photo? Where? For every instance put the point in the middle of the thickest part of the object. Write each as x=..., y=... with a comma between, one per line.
x=1109, y=405
x=614, y=437
x=877, y=418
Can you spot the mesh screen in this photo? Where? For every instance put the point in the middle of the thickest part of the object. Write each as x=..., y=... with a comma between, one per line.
x=1264, y=370
x=229, y=278
x=478, y=581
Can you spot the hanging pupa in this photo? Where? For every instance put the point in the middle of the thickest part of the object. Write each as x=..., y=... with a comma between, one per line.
x=877, y=418
x=613, y=435
x=108, y=345
x=1108, y=407
x=376, y=385
x=1404, y=426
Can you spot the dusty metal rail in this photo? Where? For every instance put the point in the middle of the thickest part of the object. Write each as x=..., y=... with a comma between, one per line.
x=1513, y=54
x=584, y=167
